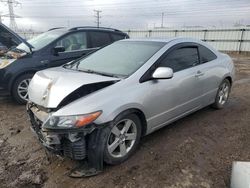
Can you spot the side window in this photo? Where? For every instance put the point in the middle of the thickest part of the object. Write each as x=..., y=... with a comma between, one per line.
x=206, y=55
x=117, y=37
x=73, y=42
x=99, y=39
x=181, y=58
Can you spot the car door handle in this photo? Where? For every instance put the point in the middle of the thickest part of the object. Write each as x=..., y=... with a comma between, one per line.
x=199, y=73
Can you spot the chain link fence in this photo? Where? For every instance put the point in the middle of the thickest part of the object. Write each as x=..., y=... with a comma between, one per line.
x=235, y=40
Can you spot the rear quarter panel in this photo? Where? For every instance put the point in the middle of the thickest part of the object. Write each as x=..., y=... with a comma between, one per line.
x=227, y=64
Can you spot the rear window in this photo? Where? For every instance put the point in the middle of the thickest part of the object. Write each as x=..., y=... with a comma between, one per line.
x=206, y=55
x=99, y=39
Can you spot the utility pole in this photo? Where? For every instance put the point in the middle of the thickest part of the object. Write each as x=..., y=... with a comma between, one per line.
x=11, y=15
x=0, y=17
x=162, y=17
x=98, y=17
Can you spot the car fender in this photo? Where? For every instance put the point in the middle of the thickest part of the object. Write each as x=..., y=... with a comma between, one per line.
x=110, y=116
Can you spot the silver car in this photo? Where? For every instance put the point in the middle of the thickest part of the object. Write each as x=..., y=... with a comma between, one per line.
x=100, y=106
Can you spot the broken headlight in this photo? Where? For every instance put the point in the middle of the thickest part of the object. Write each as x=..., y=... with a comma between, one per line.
x=68, y=122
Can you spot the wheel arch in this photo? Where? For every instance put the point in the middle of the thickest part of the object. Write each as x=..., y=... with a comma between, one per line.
x=10, y=86
x=141, y=116
x=229, y=78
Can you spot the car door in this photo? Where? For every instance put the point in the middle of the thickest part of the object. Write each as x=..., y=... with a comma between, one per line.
x=210, y=67
x=170, y=99
x=75, y=44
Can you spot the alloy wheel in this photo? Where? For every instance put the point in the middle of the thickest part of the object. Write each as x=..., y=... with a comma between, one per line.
x=223, y=93
x=122, y=138
x=22, y=89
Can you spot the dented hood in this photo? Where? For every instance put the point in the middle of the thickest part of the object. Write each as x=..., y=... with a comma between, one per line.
x=49, y=87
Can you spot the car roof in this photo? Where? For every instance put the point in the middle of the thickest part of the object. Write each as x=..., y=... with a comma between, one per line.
x=175, y=40
x=165, y=40
x=64, y=29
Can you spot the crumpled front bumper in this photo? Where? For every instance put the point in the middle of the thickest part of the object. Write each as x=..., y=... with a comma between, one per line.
x=69, y=143
x=87, y=143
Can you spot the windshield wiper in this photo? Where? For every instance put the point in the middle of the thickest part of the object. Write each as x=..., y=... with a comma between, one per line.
x=107, y=74
x=85, y=70
x=69, y=65
x=17, y=50
x=100, y=73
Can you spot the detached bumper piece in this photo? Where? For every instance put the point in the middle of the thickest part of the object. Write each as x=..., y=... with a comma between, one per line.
x=94, y=163
x=75, y=150
x=84, y=146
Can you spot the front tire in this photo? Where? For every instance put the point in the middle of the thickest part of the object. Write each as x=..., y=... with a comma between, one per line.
x=123, y=139
x=20, y=88
x=222, y=94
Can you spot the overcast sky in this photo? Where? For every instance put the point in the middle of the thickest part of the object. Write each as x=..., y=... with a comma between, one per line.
x=129, y=14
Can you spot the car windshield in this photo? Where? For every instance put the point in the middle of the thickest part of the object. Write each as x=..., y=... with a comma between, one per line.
x=41, y=40
x=120, y=58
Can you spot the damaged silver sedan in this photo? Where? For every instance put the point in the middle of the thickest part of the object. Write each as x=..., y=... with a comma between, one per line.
x=97, y=108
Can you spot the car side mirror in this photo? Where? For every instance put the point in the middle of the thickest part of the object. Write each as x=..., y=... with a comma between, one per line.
x=163, y=73
x=58, y=49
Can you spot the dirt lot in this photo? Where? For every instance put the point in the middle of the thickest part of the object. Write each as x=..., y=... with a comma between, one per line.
x=196, y=151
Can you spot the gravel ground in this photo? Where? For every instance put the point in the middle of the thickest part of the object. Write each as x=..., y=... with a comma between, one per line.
x=196, y=151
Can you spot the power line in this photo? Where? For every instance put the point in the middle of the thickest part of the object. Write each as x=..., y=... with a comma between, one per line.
x=176, y=12
x=155, y=14
x=208, y=6
x=98, y=17
x=172, y=10
x=145, y=2
x=88, y=4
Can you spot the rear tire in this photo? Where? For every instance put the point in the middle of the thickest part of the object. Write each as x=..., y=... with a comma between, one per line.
x=222, y=94
x=20, y=88
x=123, y=139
